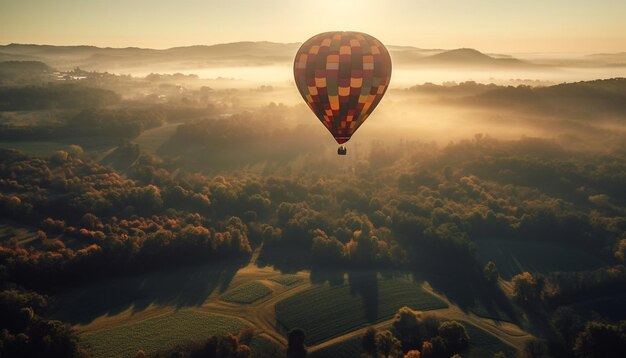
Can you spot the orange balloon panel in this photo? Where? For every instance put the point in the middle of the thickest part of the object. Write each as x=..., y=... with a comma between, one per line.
x=342, y=76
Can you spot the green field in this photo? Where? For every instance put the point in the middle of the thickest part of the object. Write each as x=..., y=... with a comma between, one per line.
x=158, y=333
x=185, y=286
x=153, y=138
x=247, y=293
x=287, y=280
x=326, y=311
x=496, y=312
x=483, y=344
x=516, y=256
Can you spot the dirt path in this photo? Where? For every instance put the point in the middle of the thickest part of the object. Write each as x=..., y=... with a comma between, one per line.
x=262, y=314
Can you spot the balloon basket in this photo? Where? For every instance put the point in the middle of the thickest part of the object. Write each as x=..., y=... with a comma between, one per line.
x=342, y=150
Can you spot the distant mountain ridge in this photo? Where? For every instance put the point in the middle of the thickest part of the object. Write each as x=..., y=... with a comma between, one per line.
x=468, y=56
x=245, y=53
x=92, y=57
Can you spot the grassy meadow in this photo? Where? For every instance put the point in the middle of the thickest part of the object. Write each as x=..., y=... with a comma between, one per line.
x=286, y=280
x=158, y=333
x=247, y=293
x=327, y=311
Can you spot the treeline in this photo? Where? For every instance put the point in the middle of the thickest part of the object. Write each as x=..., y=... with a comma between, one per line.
x=591, y=98
x=574, y=331
x=20, y=72
x=97, y=223
x=117, y=123
x=240, y=345
x=585, y=99
x=24, y=332
x=415, y=334
x=453, y=89
x=55, y=96
x=245, y=138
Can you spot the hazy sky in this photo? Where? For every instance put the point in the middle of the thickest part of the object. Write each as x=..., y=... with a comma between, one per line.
x=489, y=25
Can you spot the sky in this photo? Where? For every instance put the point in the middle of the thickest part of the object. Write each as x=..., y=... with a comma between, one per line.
x=507, y=26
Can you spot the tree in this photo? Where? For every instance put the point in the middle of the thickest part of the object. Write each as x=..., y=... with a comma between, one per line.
x=491, y=272
x=406, y=323
x=454, y=335
x=369, y=341
x=295, y=344
x=568, y=324
x=227, y=346
x=245, y=335
x=620, y=253
x=76, y=150
x=414, y=353
x=387, y=345
x=243, y=351
x=427, y=349
x=527, y=288
x=439, y=347
x=600, y=339
x=535, y=349
x=327, y=250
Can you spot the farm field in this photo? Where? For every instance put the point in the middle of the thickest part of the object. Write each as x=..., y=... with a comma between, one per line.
x=179, y=287
x=515, y=256
x=247, y=293
x=327, y=311
x=158, y=333
x=286, y=280
x=153, y=138
x=483, y=344
x=494, y=312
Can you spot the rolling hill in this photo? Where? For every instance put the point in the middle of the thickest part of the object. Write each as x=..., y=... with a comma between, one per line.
x=470, y=57
x=228, y=54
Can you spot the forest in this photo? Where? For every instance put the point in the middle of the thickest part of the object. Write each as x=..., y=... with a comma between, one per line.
x=233, y=181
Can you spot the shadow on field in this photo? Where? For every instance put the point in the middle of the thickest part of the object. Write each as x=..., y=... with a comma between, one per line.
x=181, y=287
x=471, y=293
x=285, y=260
x=362, y=283
x=365, y=284
x=333, y=276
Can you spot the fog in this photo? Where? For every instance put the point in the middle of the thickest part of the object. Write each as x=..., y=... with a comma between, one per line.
x=436, y=97
x=403, y=76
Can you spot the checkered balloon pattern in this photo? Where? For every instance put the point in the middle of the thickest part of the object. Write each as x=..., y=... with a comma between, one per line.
x=342, y=76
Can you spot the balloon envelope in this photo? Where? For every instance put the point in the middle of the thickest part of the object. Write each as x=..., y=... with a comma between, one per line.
x=342, y=76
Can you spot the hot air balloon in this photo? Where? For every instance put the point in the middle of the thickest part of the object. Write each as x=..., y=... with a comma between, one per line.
x=342, y=76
